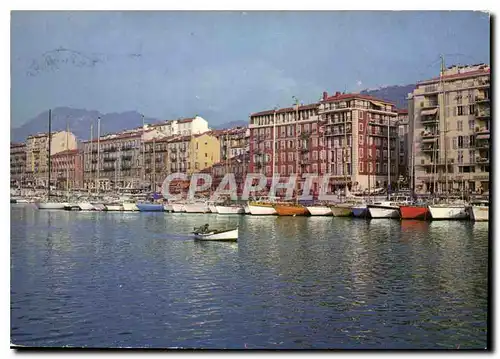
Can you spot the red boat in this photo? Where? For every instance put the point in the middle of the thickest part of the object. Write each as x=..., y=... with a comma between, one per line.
x=414, y=212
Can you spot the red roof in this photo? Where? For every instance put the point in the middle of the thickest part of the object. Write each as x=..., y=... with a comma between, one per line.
x=348, y=96
x=463, y=74
x=12, y=145
x=288, y=109
x=402, y=111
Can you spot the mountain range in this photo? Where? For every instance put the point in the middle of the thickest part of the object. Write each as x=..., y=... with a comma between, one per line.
x=80, y=120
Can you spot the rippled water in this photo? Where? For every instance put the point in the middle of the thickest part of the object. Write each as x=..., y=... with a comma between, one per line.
x=139, y=280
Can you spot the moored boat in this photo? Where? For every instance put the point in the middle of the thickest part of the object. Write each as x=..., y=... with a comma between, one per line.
x=72, y=207
x=319, y=210
x=205, y=233
x=113, y=207
x=247, y=209
x=212, y=207
x=129, y=206
x=341, y=209
x=196, y=207
x=99, y=206
x=51, y=205
x=448, y=211
x=150, y=207
x=86, y=206
x=178, y=207
x=290, y=209
x=384, y=210
x=261, y=208
x=360, y=211
x=479, y=212
x=229, y=209
x=167, y=207
x=414, y=212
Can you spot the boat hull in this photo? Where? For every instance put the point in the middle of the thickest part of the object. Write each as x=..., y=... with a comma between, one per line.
x=230, y=210
x=480, y=213
x=150, y=207
x=212, y=208
x=99, y=206
x=247, y=209
x=341, y=211
x=319, y=210
x=383, y=212
x=178, y=207
x=231, y=235
x=129, y=207
x=261, y=210
x=168, y=208
x=448, y=212
x=414, y=212
x=291, y=210
x=360, y=211
x=51, y=205
x=196, y=208
x=113, y=207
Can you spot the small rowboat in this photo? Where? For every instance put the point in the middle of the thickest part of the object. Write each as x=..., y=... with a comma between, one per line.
x=206, y=234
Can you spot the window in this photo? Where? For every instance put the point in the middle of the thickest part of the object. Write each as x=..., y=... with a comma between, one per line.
x=369, y=153
x=283, y=169
x=460, y=156
x=377, y=167
x=360, y=127
x=206, y=154
x=460, y=142
x=472, y=141
x=459, y=126
x=370, y=140
x=378, y=154
x=472, y=109
x=466, y=141
x=385, y=168
x=461, y=110
x=361, y=152
x=360, y=138
x=370, y=168
x=361, y=167
x=472, y=156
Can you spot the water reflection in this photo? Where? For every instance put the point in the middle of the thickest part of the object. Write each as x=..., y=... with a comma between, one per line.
x=136, y=279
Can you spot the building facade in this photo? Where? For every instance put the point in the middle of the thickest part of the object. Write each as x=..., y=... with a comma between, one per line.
x=117, y=161
x=67, y=170
x=403, y=149
x=452, y=131
x=359, y=130
x=17, y=164
x=233, y=142
x=180, y=154
x=37, y=154
x=183, y=126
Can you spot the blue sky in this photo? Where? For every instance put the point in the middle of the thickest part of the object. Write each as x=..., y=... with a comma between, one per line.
x=225, y=65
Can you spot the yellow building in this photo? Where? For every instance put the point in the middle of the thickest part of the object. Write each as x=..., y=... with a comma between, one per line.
x=204, y=152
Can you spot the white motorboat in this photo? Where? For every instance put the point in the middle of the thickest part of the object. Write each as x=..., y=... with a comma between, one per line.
x=129, y=206
x=196, y=207
x=212, y=207
x=230, y=209
x=206, y=234
x=247, y=209
x=112, y=207
x=99, y=206
x=449, y=211
x=51, y=205
x=319, y=210
x=178, y=207
x=479, y=212
x=168, y=207
x=261, y=209
x=384, y=210
x=86, y=206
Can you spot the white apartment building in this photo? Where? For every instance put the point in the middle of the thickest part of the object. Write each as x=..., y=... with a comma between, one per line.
x=184, y=126
x=451, y=115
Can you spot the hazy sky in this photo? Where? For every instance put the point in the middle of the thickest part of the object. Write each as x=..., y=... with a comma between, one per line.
x=225, y=65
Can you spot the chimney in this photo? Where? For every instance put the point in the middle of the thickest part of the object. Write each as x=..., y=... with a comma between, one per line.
x=325, y=95
x=337, y=93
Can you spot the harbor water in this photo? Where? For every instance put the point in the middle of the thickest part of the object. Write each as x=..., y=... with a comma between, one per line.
x=97, y=279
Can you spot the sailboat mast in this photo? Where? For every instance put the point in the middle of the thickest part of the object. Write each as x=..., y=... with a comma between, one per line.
x=91, y=154
x=50, y=145
x=345, y=155
x=98, y=154
x=388, y=157
x=67, y=157
x=366, y=154
x=297, y=123
x=274, y=142
x=443, y=111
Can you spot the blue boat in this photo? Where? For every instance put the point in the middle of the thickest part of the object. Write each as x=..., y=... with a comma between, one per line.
x=150, y=207
x=360, y=211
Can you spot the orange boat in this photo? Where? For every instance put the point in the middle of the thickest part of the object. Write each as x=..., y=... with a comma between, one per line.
x=290, y=209
x=414, y=212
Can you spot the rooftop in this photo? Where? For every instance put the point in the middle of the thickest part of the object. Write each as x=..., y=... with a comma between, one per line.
x=352, y=96
x=287, y=109
x=466, y=74
x=66, y=152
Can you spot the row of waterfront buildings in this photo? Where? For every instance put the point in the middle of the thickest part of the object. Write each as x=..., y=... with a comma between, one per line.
x=441, y=143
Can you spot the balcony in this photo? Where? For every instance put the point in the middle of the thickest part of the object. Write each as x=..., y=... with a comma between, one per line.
x=428, y=134
x=482, y=113
x=482, y=160
x=429, y=104
x=428, y=149
x=126, y=157
x=482, y=99
x=109, y=159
